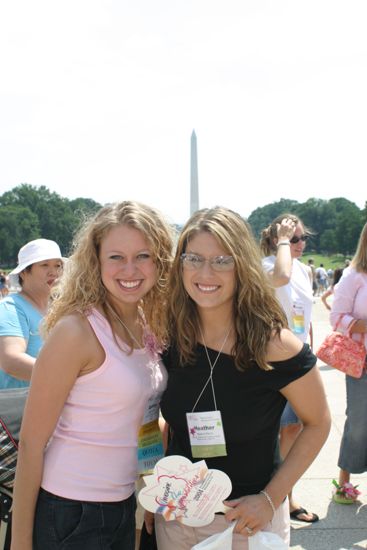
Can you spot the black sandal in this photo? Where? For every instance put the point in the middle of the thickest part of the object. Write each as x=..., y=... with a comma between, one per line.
x=299, y=511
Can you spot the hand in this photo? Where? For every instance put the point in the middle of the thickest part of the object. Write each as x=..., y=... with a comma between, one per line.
x=252, y=513
x=286, y=229
x=149, y=521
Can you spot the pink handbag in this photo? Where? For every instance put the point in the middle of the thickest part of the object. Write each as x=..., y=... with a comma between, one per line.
x=343, y=353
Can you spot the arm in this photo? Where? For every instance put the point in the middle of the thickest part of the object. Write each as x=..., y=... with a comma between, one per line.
x=307, y=397
x=13, y=357
x=359, y=327
x=326, y=295
x=15, y=333
x=65, y=354
x=343, y=303
x=282, y=271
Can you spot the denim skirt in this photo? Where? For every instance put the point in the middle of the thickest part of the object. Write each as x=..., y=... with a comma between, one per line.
x=66, y=524
x=353, y=447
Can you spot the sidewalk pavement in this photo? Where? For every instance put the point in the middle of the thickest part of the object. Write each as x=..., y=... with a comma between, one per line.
x=340, y=526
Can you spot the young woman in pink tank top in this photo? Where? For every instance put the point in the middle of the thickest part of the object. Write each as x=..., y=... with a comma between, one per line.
x=97, y=371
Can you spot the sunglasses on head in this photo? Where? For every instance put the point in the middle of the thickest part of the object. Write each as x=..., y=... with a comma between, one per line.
x=295, y=240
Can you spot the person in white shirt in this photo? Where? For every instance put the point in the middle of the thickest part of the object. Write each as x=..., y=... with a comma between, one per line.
x=321, y=278
x=282, y=244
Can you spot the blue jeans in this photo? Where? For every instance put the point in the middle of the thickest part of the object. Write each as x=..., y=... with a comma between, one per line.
x=65, y=524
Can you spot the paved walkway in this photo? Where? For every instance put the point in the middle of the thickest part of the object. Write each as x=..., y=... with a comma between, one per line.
x=340, y=526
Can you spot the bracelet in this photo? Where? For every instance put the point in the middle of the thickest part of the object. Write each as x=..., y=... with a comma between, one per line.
x=284, y=242
x=268, y=498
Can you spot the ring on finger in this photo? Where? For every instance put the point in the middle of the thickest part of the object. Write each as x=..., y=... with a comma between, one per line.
x=249, y=530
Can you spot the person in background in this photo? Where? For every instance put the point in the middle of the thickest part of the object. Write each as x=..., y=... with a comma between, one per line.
x=337, y=273
x=349, y=312
x=232, y=363
x=92, y=381
x=282, y=244
x=4, y=290
x=322, y=279
x=39, y=266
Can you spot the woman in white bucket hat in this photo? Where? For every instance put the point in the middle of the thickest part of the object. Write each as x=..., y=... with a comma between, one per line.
x=39, y=265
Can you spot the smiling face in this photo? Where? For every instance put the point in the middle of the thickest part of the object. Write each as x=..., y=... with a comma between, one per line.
x=206, y=287
x=128, y=270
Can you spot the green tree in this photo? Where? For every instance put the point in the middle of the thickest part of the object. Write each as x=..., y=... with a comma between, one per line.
x=58, y=217
x=364, y=213
x=328, y=241
x=313, y=215
x=18, y=225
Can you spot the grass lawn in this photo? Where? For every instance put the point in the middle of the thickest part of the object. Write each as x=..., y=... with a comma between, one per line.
x=337, y=260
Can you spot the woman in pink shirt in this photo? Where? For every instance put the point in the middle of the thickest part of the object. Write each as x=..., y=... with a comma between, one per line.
x=91, y=384
x=349, y=311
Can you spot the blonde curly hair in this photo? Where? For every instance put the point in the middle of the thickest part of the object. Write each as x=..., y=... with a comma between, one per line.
x=80, y=288
x=256, y=312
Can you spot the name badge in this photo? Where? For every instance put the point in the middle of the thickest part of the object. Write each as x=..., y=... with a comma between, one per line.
x=298, y=318
x=206, y=434
x=150, y=444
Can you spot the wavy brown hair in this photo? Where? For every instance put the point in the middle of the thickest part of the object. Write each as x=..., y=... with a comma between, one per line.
x=270, y=234
x=256, y=312
x=359, y=261
x=81, y=288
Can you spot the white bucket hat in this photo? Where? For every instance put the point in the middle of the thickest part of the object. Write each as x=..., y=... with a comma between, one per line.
x=37, y=251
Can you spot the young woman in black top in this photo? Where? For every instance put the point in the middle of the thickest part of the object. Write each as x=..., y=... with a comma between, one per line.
x=233, y=360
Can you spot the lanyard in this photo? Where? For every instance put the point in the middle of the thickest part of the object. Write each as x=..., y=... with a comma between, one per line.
x=211, y=365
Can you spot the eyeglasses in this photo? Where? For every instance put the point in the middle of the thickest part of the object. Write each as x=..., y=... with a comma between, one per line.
x=295, y=240
x=194, y=262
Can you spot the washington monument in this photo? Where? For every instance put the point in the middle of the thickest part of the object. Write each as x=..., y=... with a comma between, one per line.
x=194, y=187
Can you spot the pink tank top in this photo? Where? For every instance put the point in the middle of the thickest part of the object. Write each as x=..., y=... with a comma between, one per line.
x=92, y=454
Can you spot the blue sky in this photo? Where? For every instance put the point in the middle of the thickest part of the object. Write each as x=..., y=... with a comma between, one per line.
x=99, y=98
